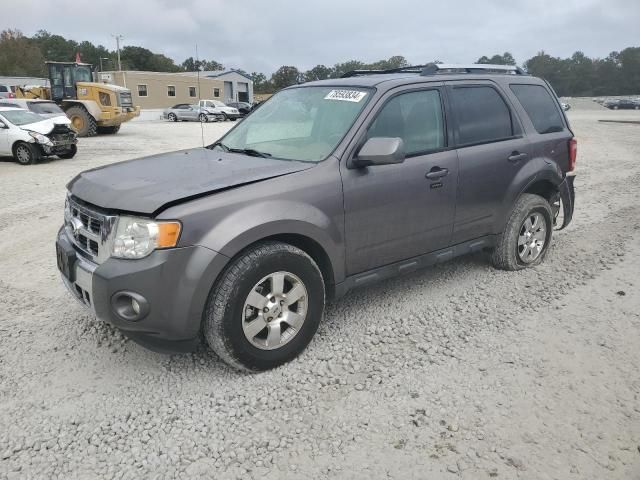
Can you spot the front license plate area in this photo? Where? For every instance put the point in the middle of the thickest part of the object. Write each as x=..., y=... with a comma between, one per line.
x=66, y=257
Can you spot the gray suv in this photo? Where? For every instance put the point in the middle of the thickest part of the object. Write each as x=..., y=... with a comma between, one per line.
x=330, y=185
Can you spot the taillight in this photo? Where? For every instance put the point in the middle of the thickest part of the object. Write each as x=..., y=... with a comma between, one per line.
x=12, y=95
x=573, y=152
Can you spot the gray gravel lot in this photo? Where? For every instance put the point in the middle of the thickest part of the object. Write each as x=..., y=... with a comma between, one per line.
x=459, y=371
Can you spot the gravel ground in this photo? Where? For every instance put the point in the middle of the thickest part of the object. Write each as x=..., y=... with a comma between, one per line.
x=459, y=371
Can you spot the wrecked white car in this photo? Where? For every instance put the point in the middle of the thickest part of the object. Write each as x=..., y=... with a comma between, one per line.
x=27, y=137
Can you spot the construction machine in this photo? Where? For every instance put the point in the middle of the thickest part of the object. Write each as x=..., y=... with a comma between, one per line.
x=92, y=107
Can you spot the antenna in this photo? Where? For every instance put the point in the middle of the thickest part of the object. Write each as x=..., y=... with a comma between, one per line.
x=199, y=95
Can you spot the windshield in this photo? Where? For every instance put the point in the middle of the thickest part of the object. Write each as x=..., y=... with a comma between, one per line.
x=45, y=107
x=304, y=123
x=83, y=74
x=21, y=117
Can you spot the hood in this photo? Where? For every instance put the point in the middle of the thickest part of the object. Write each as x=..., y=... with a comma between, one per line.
x=44, y=127
x=148, y=184
x=57, y=118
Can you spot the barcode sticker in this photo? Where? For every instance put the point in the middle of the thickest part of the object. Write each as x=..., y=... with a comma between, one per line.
x=345, y=95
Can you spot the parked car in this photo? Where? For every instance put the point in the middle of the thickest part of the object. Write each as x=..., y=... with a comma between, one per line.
x=229, y=113
x=44, y=108
x=191, y=113
x=6, y=92
x=243, y=107
x=244, y=240
x=621, y=104
x=28, y=137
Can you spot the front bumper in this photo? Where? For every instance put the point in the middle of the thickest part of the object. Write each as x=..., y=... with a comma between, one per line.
x=175, y=284
x=111, y=119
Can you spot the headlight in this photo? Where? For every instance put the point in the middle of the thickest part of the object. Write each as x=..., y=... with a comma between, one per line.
x=138, y=237
x=39, y=137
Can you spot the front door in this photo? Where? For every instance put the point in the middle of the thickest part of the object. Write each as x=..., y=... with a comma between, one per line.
x=395, y=212
x=4, y=138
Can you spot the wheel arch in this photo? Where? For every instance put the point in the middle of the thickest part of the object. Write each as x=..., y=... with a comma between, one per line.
x=89, y=105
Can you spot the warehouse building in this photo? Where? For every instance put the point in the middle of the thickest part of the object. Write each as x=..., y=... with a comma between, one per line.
x=152, y=90
x=238, y=87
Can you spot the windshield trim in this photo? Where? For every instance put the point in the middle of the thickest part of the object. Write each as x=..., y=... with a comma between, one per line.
x=373, y=90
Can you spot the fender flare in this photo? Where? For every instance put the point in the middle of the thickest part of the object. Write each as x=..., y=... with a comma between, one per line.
x=90, y=105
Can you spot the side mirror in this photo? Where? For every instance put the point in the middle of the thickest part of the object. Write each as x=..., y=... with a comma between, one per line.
x=380, y=151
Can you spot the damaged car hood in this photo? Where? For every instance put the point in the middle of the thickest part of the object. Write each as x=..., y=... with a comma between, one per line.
x=146, y=185
x=44, y=127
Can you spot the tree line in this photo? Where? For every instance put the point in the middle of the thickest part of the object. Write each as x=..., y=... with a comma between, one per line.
x=578, y=75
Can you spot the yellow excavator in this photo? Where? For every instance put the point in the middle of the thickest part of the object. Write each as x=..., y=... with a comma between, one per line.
x=92, y=107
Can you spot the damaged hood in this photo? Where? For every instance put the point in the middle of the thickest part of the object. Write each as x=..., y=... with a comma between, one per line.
x=44, y=127
x=145, y=185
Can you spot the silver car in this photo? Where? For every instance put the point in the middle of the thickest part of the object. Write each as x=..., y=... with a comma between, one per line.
x=185, y=112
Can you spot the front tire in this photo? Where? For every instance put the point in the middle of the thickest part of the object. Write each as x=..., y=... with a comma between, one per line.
x=203, y=118
x=172, y=117
x=526, y=238
x=265, y=308
x=25, y=153
x=82, y=121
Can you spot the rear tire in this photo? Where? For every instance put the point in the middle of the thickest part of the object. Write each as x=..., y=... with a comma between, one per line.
x=82, y=121
x=109, y=130
x=172, y=117
x=25, y=153
x=70, y=154
x=526, y=237
x=203, y=118
x=287, y=311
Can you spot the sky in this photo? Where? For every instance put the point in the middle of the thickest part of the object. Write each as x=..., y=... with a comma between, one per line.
x=260, y=36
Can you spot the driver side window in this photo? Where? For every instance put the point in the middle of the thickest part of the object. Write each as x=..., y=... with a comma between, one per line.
x=416, y=118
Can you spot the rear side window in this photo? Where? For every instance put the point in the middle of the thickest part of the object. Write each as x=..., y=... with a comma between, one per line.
x=540, y=107
x=3, y=88
x=482, y=115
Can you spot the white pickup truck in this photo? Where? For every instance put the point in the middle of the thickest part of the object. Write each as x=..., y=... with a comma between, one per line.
x=229, y=113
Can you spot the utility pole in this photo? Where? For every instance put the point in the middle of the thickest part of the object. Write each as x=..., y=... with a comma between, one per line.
x=118, y=38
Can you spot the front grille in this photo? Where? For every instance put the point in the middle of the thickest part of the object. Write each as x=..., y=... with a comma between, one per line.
x=88, y=230
x=125, y=99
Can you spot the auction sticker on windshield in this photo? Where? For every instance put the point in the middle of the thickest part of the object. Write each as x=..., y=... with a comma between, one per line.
x=345, y=95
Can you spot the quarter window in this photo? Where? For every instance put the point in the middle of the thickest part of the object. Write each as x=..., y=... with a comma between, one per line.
x=192, y=92
x=541, y=108
x=171, y=91
x=142, y=91
x=416, y=117
x=482, y=115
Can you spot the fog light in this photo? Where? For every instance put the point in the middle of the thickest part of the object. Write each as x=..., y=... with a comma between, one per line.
x=130, y=306
x=136, y=306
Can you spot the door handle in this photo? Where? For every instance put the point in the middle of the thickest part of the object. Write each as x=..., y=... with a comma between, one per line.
x=436, y=173
x=516, y=156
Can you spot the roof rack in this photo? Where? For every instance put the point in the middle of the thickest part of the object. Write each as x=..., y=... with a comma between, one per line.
x=435, y=68
x=408, y=69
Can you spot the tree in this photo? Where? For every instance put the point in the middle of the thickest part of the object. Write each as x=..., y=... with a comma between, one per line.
x=285, y=76
x=260, y=83
x=191, y=65
x=139, y=58
x=341, y=68
x=505, y=59
x=319, y=72
x=397, y=61
x=19, y=55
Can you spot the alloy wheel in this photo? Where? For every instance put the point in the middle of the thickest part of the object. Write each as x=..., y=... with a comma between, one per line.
x=532, y=237
x=275, y=310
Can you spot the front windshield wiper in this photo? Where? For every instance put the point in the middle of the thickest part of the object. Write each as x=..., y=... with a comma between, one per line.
x=247, y=151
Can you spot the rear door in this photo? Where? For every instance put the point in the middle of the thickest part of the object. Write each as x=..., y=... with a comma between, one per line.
x=395, y=212
x=492, y=150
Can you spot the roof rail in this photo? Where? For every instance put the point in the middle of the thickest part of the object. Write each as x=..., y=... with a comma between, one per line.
x=408, y=69
x=435, y=68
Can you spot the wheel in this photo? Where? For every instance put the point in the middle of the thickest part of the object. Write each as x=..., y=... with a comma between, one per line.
x=82, y=121
x=265, y=308
x=70, y=154
x=109, y=130
x=224, y=117
x=637, y=107
x=25, y=153
x=233, y=119
x=203, y=118
x=615, y=108
x=172, y=117
x=527, y=235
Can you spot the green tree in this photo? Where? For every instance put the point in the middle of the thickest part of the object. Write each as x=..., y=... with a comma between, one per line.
x=55, y=48
x=139, y=58
x=505, y=59
x=192, y=65
x=19, y=55
x=319, y=72
x=260, y=83
x=341, y=68
x=285, y=76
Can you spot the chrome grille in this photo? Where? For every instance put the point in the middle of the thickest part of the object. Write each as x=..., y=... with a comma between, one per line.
x=89, y=230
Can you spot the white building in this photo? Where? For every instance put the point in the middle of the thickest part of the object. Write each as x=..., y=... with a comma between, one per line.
x=238, y=87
